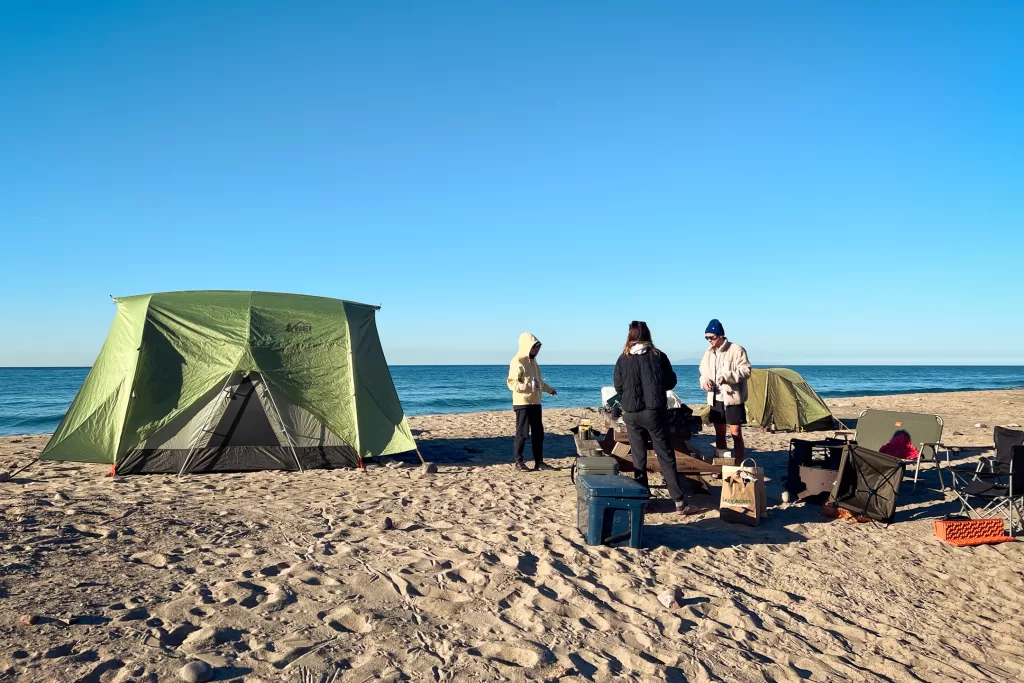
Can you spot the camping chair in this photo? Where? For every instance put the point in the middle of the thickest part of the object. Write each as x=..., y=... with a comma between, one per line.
x=868, y=483
x=875, y=428
x=1004, y=439
x=992, y=490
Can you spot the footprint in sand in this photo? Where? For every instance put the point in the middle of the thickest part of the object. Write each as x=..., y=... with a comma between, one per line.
x=345, y=619
x=514, y=656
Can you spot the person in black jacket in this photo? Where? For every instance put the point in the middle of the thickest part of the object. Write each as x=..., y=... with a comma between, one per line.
x=643, y=375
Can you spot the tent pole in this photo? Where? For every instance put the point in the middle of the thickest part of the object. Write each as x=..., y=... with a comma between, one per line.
x=280, y=421
x=422, y=461
x=206, y=427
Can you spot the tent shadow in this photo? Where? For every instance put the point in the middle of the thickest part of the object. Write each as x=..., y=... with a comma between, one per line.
x=559, y=450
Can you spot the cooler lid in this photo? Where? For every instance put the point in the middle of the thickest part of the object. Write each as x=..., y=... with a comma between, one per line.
x=611, y=486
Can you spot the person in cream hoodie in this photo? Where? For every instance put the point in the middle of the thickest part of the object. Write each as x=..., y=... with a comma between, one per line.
x=724, y=372
x=526, y=384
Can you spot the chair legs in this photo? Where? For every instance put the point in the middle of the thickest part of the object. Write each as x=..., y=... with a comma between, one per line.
x=917, y=472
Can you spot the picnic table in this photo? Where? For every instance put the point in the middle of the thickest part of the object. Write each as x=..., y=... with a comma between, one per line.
x=690, y=461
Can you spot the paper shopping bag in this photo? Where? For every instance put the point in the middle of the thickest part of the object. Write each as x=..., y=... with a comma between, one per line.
x=740, y=503
x=758, y=474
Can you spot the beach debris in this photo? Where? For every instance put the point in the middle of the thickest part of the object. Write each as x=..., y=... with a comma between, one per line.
x=958, y=433
x=28, y=619
x=60, y=497
x=197, y=671
x=5, y=475
x=981, y=425
x=386, y=524
x=671, y=599
x=785, y=497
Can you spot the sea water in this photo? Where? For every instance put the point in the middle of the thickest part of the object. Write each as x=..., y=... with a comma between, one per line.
x=33, y=400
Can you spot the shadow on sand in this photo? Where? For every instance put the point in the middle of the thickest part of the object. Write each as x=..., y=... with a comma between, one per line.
x=784, y=524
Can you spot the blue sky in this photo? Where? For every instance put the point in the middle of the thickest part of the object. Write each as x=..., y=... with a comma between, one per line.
x=837, y=182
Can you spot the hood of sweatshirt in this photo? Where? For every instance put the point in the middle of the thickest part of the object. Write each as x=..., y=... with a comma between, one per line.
x=526, y=342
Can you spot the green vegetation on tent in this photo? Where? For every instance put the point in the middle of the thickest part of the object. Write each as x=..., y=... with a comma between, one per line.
x=285, y=380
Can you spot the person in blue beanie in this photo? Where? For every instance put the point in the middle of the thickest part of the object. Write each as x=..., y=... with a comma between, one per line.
x=724, y=371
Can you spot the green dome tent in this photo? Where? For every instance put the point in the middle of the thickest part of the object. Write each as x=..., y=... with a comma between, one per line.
x=233, y=381
x=781, y=397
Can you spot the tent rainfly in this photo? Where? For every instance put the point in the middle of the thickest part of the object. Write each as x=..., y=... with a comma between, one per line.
x=781, y=398
x=233, y=381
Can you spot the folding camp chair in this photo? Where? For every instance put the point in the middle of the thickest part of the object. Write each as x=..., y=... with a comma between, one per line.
x=1004, y=440
x=868, y=483
x=991, y=490
x=875, y=428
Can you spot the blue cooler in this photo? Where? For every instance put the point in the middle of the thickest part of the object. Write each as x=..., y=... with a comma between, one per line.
x=610, y=509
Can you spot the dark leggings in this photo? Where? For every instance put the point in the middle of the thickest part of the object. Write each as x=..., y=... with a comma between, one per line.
x=653, y=424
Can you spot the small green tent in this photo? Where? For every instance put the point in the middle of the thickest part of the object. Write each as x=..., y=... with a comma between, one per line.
x=234, y=381
x=781, y=398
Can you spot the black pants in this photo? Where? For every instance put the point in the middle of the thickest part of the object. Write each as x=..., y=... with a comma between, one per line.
x=653, y=424
x=529, y=423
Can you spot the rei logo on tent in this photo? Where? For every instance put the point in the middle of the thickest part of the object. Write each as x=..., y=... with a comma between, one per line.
x=298, y=327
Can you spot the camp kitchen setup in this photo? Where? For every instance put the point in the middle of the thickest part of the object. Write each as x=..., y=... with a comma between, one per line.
x=855, y=474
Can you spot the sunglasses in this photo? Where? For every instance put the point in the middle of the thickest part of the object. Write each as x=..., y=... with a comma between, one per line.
x=711, y=338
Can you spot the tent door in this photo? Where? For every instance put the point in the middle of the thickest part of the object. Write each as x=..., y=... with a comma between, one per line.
x=249, y=420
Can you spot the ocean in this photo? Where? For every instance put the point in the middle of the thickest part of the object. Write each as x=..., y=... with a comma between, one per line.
x=33, y=400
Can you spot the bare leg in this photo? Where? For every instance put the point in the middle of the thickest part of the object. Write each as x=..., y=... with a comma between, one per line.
x=736, y=431
x=720, y=437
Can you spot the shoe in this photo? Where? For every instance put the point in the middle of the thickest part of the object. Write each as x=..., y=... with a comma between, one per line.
x=542, y=466
x=520, y=467
x=684, y=509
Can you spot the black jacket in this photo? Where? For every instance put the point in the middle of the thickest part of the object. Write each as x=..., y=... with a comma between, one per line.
x=642, y=380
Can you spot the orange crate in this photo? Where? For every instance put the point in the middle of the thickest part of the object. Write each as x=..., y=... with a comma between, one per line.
x=970, y=531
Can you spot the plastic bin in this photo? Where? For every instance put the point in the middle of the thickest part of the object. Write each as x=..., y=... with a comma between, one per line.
x=610, y=510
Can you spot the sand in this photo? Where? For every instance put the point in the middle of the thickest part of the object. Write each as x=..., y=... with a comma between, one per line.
x=289, y=576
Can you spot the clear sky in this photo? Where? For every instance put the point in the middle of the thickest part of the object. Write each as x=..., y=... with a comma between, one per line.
x=838, y=182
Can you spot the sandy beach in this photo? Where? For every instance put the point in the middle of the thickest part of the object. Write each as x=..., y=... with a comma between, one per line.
x=273, y=576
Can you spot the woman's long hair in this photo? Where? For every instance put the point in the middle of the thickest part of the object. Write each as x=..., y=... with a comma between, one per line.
x=639, y=333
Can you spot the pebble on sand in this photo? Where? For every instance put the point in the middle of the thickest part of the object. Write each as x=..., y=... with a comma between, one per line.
x=981, y=425
x=5, y=475
x=671, y=598
x=29, y=619
x=196, y=672
x=386, y=524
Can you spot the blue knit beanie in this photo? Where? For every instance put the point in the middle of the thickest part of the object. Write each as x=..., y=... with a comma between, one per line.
x=715, y=328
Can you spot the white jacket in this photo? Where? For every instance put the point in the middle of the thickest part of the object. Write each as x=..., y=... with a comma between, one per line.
x=728, y=361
